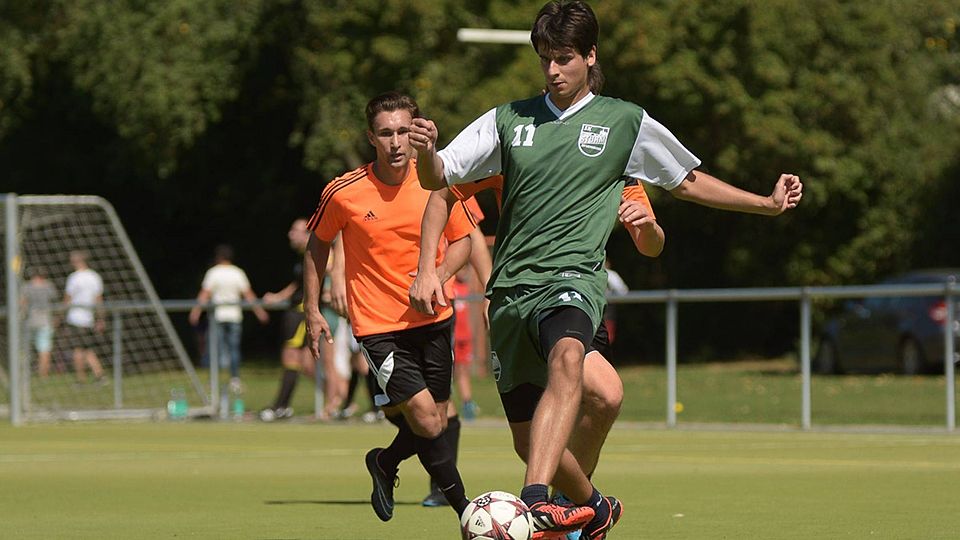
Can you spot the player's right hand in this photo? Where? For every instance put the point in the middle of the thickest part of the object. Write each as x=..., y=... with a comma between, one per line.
x=423, y=135
x=317, y=326
x=424, y=291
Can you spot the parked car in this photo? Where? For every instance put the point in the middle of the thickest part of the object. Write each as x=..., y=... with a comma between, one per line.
x=900, y=334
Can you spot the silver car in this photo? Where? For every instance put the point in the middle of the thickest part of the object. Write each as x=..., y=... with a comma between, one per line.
x=899, y=334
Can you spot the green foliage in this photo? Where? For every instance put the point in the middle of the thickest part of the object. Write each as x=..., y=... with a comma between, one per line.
x=158, y=72
x=220, y=105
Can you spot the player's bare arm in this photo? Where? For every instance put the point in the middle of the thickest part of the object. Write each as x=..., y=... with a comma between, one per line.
x=314, y=268
x=338, y=278
x=454, y=258
x=480, y=258
x=260, y=313
x=427, y=287
x=423, y=139
x=702, y=188
x=646, y=233
x=282, y=295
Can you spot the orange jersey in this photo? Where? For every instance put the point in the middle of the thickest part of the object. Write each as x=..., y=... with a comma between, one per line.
x=632, y=191
x=474, y=207
x=380, y=227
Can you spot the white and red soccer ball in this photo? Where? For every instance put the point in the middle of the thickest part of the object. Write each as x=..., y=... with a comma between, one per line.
x=496, y=515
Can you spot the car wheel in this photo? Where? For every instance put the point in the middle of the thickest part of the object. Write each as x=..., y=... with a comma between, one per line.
x=827, y=363
x=910, y=357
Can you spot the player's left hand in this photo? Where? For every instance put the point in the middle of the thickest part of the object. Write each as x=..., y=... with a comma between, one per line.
x=787, y=192
x=635, y=213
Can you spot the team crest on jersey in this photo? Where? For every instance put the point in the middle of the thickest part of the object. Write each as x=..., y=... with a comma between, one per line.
x=593, y=139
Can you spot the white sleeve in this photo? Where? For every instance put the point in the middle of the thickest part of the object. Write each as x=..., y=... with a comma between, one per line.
x=98, y=284
x=474, y=153
x=658, y=158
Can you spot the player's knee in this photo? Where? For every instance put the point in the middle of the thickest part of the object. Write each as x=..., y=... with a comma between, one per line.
x=429, y=426
x=603, y=406
x=566, y=359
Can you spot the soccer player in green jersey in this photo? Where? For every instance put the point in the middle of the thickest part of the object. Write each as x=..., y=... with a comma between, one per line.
x=564, y=157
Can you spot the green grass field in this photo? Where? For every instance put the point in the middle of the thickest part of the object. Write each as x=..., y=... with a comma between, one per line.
x=307, y=481
x=761, y=392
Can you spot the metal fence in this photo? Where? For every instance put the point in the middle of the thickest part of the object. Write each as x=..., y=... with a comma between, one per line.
x=804, y=296
x=671, y=299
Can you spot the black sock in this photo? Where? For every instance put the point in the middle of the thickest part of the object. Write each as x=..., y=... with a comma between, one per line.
x=435, y=455
x=402, y=446
x=534, y=493
x=452, y=434
x=601, y=510
x=595, y=499
x=288, y=381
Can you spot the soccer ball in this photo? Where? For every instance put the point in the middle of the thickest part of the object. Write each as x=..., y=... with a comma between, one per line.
x=496, y=515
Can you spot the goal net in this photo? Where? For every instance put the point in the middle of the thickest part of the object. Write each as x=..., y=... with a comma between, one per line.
x=137, y=359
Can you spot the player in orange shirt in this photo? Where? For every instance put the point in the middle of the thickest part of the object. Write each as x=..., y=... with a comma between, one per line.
x=377, y=209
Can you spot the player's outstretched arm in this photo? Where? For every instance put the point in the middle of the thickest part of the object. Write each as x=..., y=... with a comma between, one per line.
x=702, y=188
x=427, y=286
x=423, y=139
x=314, y=267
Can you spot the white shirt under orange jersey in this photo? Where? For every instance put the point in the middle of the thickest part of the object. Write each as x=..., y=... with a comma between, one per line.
x=380, y=226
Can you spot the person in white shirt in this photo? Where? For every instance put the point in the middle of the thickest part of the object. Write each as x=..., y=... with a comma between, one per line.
x=225, y=283
x=84, y=320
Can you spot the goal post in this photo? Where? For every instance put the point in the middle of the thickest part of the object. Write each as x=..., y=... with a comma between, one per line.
x=128, y=364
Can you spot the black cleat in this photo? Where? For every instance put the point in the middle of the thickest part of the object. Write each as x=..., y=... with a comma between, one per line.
x=381, y=499
x=606, y=517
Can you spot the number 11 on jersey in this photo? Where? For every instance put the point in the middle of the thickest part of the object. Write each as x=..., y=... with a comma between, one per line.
x=518, y=135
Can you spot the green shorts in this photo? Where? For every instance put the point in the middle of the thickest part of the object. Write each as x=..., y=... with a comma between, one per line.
x=515, y=315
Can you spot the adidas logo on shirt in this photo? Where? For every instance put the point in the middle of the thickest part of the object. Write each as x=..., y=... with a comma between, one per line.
x=370, y=216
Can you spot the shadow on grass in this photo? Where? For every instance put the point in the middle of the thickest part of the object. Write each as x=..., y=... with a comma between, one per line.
x=336, y=502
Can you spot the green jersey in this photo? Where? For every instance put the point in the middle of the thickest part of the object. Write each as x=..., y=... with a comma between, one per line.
x=563, y=175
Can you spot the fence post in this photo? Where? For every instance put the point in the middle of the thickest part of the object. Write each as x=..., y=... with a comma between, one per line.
x=117, y=360
x=213, y=346
x=805, y=357
x=13, y=311
x=948, y=358
x=672, y=358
